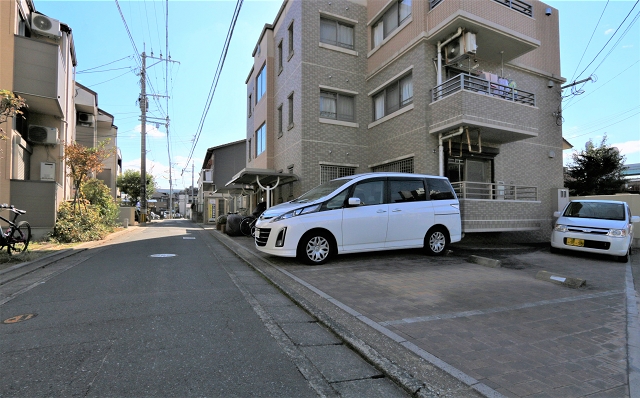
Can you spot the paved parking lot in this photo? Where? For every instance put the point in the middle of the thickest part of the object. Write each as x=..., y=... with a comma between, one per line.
x=499, y=327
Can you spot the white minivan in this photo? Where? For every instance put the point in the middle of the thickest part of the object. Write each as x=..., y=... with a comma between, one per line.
x=364, y=212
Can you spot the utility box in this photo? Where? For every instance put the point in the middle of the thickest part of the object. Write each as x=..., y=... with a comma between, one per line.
x=559, y=199
x=47, y=171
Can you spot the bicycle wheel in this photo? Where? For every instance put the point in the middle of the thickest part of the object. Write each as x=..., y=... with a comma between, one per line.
x=20, y=238
x=245, y=226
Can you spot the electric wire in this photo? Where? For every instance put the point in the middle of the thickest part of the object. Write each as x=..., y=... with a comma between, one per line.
x=608, y=41
x=592, y=33
x=109, y=63
x=215, y=81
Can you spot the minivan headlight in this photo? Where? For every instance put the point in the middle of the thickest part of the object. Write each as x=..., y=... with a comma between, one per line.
x=560, y=228
x=617, y=233
x=297, y=212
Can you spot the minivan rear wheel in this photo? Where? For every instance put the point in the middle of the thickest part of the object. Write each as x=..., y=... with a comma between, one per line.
x=315, y=248
x=436, y=242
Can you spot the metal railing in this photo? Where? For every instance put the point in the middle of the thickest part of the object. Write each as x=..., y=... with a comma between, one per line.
x=475, y=84
x=516, y=5
x=494, y=191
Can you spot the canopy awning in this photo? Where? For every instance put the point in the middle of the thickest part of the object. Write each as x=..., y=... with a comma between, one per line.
x=264, y=176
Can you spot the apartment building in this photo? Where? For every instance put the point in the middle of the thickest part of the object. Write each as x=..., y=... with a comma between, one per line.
x=37, y=62
x=469, y=89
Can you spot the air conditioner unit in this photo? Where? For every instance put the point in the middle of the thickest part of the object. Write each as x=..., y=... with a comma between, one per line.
x=45, y=26
x=461, y=48
x=42, y=135
x=85, y=119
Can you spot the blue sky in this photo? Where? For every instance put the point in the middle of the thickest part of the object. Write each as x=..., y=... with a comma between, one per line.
x=197, y=31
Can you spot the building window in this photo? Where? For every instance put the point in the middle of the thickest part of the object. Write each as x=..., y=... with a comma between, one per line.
x=290, y=98
x=280, y=129
x=330, y=172
x=390, y=21
x=399, y=166
x=280, y=65
x=393, y=97
x=290, y=30
x=250, y=104
x=336, y=33
x=337, y=106
x=261, y=83
x=261, y=139
x=249, y=147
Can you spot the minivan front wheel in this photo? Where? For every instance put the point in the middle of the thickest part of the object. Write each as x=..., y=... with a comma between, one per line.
x=315, y=248
x=436, y=242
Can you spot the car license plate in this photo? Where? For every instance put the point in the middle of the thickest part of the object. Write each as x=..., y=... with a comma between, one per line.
x=575, y=242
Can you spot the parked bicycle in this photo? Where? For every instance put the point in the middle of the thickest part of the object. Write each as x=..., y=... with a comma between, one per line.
x=248, y=223
x=18, y=235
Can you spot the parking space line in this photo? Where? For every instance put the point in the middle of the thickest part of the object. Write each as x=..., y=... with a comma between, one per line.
x=499, y=309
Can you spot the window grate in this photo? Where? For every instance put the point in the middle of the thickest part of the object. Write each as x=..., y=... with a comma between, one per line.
x=400, y=166
x=328, y=173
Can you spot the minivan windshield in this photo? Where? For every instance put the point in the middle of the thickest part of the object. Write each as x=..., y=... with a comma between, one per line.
x=321, y=190
x=598, y=210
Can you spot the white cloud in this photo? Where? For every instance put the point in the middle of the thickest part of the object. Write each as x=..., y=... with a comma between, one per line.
x=628, y=148
x=152, y=131
x=608, y=32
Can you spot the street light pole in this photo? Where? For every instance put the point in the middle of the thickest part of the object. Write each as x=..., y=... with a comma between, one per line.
x=143, y=140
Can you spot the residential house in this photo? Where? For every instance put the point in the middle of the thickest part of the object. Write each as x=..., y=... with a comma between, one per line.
x=38, y=63
x=214, y=197
x=469, y=89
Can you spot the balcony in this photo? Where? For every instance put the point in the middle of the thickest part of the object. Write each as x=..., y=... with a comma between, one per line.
x=503, y=114
x=39, y=75
x=481, y=86
x=503, y=33
x=490, y=207
x=517, y=5
x=494, y=191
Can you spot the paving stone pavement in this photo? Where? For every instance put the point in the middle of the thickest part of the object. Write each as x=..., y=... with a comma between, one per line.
x=519, y=336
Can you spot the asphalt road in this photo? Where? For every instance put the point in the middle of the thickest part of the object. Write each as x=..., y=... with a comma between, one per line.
x=163, y=311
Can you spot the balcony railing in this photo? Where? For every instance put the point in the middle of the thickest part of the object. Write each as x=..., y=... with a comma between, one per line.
x=494, y=191
x=516, y=5
x=475, y=84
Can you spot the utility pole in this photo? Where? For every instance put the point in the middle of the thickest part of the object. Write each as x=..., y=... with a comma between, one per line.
x=143, y=140
x=192, y=198
x=144, y=105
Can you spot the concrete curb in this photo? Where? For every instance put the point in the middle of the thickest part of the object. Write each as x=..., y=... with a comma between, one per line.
x=573, y=283
x=487, y=262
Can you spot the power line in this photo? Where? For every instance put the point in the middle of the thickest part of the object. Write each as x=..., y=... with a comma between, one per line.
x=214, y=84
x=594, y=31
x=607, y=43
x=96, y=67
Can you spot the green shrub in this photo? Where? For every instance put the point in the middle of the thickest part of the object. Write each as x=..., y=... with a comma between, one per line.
x=82, y=224
x=99, y=195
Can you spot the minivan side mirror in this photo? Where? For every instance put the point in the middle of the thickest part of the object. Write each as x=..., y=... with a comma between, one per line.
x=557, y=214
x=635, y=218
x=354, y=202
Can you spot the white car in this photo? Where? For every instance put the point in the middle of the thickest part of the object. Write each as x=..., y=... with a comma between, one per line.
x=595, y=226
x=365, y=212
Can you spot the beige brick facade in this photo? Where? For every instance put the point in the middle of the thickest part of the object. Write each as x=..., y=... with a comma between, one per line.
x=522, y=142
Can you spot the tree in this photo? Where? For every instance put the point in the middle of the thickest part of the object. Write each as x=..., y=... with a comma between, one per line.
x=597, y=170
x=82, y=161
x=10, y=105
x=129, y=184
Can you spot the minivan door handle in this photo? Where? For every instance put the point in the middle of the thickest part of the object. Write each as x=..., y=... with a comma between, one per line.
x=396, y=210
x=381, y=211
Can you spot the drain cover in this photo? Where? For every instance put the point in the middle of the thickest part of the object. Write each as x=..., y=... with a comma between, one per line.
x=162, y=255
x=18, y=318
